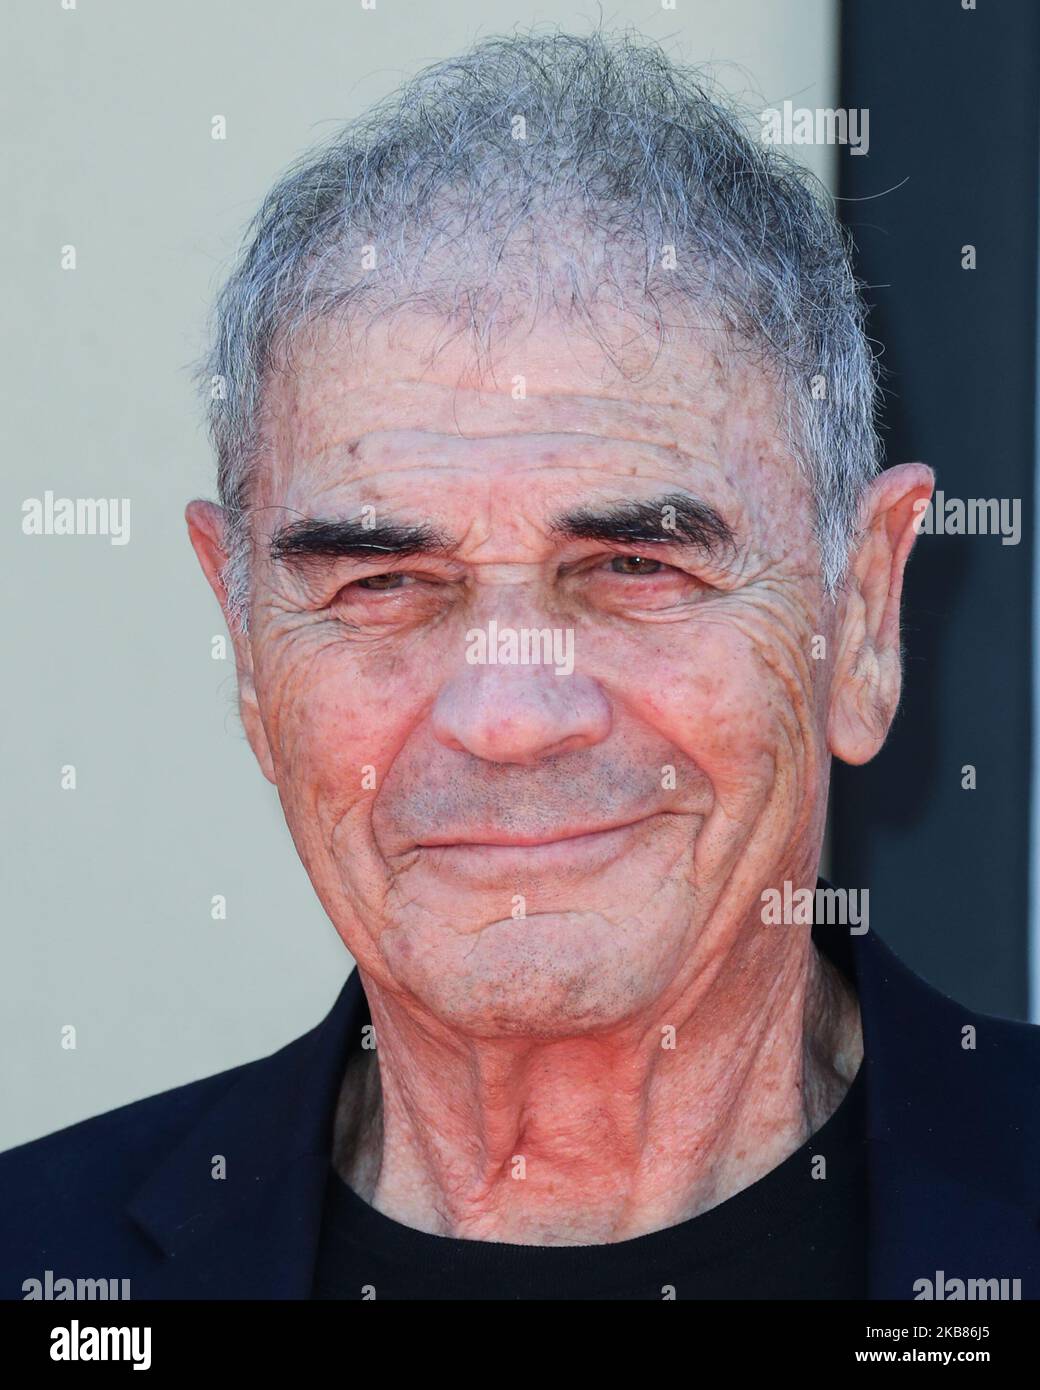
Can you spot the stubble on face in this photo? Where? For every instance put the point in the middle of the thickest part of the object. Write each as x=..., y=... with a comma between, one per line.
x=719, y=687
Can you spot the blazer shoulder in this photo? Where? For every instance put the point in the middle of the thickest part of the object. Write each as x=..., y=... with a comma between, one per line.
x=981, y=1067
x=98, y=1161
x=140, y=1129
x=65, y=1198
x=1015, y=1041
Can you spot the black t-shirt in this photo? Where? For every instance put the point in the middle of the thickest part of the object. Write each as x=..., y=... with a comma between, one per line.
x=789, y=1235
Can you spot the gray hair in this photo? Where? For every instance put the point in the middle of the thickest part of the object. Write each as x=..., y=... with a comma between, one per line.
x=555, y=166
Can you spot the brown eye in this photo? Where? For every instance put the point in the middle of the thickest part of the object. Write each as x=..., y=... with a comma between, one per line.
x=635, y=564
x=379, y=582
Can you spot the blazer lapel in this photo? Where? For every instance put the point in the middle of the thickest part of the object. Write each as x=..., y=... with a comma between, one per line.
x=253, y=1232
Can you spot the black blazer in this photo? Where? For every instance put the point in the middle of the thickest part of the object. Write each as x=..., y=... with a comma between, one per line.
x=954, y=1158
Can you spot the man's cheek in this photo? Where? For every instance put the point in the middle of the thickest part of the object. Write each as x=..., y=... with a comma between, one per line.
x=335, y=752
x=739, y=753
x=724, y=716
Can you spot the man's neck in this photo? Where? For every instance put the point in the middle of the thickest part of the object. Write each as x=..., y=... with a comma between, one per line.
x=594, y=1140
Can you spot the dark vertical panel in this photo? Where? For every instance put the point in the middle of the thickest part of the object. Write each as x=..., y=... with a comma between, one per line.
x=952, y=96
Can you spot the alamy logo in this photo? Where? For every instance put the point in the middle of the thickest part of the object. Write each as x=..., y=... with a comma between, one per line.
x=804, y=906
x=77, y=516
x=943, y=1288
x=83, y=1343
x=802, y=125
x=61, y=1288
x=970, y=516
x=524, y=646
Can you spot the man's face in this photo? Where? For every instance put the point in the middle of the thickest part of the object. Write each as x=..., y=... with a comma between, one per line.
x=529, y=848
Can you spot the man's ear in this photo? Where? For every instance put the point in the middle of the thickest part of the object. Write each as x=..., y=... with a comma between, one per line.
x=206, y=529
x=868, y=670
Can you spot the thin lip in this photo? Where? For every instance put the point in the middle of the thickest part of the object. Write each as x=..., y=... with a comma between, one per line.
x=530, y=841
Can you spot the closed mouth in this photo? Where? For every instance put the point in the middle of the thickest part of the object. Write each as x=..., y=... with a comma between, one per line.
x=491, y=840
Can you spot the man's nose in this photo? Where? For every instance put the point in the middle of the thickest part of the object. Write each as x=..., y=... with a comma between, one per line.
x=520, y=714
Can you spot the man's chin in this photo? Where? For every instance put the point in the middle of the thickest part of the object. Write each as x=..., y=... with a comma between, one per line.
x=545, y=974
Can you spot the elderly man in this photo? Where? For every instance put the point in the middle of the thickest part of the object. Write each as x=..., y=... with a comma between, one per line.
x=558, y=562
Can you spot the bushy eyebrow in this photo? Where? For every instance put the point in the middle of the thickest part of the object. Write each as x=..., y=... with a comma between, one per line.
x=671, y=519
x=354, y=538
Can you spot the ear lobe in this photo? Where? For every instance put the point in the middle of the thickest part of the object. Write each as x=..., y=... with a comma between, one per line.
x=206, y=531
x=868, y=676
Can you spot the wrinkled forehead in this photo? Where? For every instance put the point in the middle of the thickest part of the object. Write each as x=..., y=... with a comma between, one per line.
x=357, y=415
